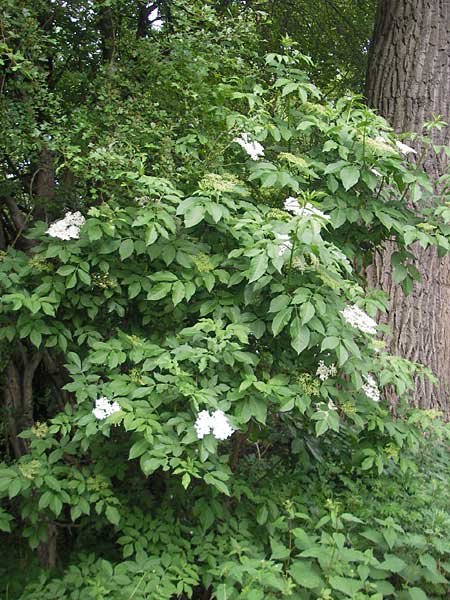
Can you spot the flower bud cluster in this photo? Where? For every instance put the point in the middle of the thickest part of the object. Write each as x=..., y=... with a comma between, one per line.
x=30, y=469
x=324, y=372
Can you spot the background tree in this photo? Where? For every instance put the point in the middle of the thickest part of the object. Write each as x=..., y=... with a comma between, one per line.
x=335, y=33
x=408, y=82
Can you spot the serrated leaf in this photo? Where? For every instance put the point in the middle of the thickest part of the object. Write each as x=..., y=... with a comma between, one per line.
x=160, y=290
x=126, y=249
x=279, y=551
x=289, y=88
x=392, y=563
x=300, y=335
x=65, y=270
x=329, y=343
x=304, y=575
x=279, y=303
x=346, y=585
x=113, y=515
x=262, y=514
x=307, y=312
x=134, y=289
x=417, y=594
x=258, y=267
x=349, y=176
x=36, y=338
x=178, y=292
x=138, y=448
x=219, y=485
x=281, y=320
x=14, y=487
x=193, y=215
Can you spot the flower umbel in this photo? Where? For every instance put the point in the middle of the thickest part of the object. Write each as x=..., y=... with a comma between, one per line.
x=359, y=319
x=370, y=388
x=285, y=244
x=254, y=149
x=292, y=205
x=217, y=424
x=404, y=148
x=104, y=408
x=67, y=228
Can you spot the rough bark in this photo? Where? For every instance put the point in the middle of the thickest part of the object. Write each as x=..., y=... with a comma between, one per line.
x=18, y=398
x=408, y=81
x=106, y=25
x=45, y=183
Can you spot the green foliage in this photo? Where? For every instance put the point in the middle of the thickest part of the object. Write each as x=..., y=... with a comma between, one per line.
x=335, y=33
x=192, y=287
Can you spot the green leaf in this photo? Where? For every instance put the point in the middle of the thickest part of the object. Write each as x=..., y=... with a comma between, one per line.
x=178, y=292
x=66, y=270
x=329, y=343
x=5, y=524
x=417, y=594
x=300, y=335
x=307, y=312
x=217, y=483
x=113, y=515
x=138, y=448
x=36, y=338
x=303, y=573
x=160, y=290
x=126, y=249
x=279, y=551
x=321, y=427
x=349, y=176
x=279, y=303
x=55, y=504
x=289, y=88
x=14, y=487
x=149, y=464
x=134, y=289
x=258, y=267
x=281, y=320
x=392, y=563
x=193, y=215
x=84, y=277
x=342, y=354
x=346, y=585
x=262, y=514
x=186, y=480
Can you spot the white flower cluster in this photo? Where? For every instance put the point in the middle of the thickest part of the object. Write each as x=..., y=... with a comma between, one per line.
x=404, y=148
x=359, y=319
x=67, y=228
x=285, y=243
x=105, y=407
x=370, y=389
x=217, y=423
x=323, y=372
x=292, y=205
x=253, y=149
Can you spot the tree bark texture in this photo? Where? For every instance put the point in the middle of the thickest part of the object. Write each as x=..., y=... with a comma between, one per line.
x=408, y=81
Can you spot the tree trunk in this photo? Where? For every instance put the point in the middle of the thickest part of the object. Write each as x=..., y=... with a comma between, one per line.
x=408, y=81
